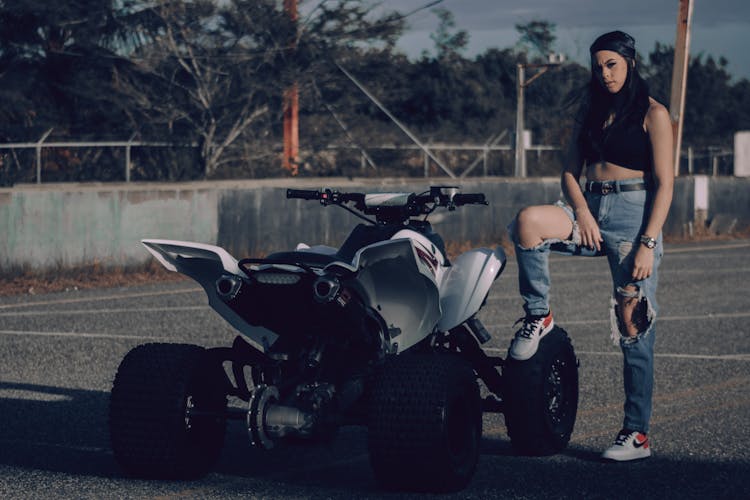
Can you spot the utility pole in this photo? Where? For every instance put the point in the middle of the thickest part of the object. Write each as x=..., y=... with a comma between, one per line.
x=679, y=76
x=521, y=84
x=290, y=160
x=520, y=126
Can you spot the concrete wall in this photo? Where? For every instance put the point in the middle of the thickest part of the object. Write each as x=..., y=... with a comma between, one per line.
x=49, y=226
x=55, y=226
x=260, y=219
x=729, y=195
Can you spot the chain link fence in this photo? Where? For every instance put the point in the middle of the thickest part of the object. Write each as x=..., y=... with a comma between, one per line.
x=138, y=161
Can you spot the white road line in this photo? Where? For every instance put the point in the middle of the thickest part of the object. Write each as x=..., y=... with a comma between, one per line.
x=719, y=357
x=708, y=315
x=99, y=299
x=491, y=350
x=731, y=246
x=491, y=326
x=22, y=333
x=715, y=271
x=691, y=317
x=601, y=277
x=27, y=395
x=106, y=311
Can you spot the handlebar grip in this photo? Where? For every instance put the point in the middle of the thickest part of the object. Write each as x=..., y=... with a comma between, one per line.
x=469, y=198
x=304, y=194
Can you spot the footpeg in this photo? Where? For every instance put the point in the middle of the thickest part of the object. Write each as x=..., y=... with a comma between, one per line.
x=479, y=331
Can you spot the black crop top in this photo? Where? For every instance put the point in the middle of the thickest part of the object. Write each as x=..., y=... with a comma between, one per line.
x=623, y=144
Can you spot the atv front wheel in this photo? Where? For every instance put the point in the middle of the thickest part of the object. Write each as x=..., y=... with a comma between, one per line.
x=166, y=411
x=425, y=423
x=541, y=396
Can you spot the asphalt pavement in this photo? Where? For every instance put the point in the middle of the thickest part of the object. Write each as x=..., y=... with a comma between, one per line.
x=59, y=353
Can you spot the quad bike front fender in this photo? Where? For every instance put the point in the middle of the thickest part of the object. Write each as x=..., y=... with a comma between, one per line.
x=466, y=284
x=206, y=264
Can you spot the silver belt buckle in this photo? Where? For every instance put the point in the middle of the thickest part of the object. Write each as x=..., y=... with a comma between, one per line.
x=607, y=188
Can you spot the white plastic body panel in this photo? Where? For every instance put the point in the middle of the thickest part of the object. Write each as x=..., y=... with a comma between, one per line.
x=167, y=252
x=430, y=258
x=466, y=283
x=206, y=264
x=401, y=288
x=420, y=281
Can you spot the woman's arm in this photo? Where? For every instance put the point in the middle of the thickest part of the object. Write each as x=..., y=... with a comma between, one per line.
x=659, y=128
x=571, y=187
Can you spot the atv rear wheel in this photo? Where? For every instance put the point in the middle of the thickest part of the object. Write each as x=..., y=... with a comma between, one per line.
x=155, y=430
x=541, y=396
x=425, y=423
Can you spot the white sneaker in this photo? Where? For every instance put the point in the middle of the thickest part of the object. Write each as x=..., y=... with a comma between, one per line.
x=527, y=339
x=629, y=445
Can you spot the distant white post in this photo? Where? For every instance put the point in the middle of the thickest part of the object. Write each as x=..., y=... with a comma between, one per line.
x=742, y=154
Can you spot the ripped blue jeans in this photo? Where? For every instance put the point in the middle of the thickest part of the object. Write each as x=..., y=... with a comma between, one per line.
x=622, y=217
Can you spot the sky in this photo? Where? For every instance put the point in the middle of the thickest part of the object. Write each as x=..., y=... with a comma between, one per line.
x=719, y=27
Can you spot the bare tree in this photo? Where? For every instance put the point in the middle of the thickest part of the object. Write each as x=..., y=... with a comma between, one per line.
x=214, y=72
x=208, y=72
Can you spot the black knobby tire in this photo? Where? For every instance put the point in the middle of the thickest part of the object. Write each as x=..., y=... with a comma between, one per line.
x=541, y=396
x=150, y=432
x=425, y=423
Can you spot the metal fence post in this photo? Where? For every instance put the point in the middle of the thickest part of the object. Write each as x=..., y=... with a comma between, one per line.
x=39, y=156
x=127, y=158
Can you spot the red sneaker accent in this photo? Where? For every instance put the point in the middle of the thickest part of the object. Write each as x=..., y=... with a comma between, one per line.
x=641, y=440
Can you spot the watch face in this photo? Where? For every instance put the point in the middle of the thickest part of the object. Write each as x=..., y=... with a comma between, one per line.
x=649, y=242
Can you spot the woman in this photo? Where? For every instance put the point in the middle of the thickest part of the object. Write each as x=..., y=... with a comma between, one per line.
x=623, y=139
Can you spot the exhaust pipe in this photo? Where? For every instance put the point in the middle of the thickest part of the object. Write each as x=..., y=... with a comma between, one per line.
x=268, y=421
x=227, y=287
x=325, y=289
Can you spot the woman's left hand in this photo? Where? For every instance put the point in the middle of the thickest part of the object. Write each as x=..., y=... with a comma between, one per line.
x=644, y=263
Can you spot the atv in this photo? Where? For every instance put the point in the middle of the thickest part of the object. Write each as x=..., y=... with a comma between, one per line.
x=381, y=332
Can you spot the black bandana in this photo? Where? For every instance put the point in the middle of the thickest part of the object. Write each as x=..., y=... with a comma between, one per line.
x=616, y=41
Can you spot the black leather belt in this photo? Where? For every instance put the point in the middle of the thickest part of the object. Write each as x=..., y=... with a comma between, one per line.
x=607, y=187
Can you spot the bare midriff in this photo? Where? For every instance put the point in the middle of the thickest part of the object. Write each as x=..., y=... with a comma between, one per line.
x=605, y=171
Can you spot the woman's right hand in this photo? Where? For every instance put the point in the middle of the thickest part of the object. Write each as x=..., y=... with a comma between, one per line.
x=589, y=229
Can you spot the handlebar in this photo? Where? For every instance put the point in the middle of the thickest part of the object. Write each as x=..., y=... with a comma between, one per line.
x=422, y=204
x=470, y=199
x=327, y=196
x=303, y=194
x=457, y=200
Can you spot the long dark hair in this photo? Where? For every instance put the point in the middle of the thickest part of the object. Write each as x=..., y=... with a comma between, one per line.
x=629, y=105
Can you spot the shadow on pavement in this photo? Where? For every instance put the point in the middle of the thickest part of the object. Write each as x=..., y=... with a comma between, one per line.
x=65, y=430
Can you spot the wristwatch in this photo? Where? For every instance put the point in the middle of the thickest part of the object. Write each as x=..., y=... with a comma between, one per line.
x=648, y=241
